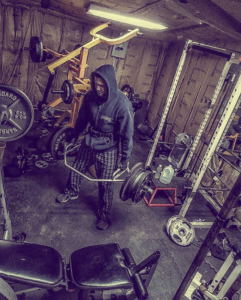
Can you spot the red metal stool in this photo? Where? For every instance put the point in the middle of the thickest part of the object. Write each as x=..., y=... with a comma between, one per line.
x=171, y=190
x=172, y=197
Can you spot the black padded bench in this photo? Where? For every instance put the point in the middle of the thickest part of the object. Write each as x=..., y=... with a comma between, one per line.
x=98, y=267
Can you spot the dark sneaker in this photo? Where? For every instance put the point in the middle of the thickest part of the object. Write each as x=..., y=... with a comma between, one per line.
x=102, y=224
x=62, y=198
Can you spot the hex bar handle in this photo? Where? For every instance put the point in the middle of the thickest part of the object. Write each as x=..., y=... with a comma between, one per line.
x=66, y=151
x=118, y=40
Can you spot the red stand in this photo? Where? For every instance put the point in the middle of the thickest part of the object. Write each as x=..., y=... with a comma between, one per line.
x=172, y=199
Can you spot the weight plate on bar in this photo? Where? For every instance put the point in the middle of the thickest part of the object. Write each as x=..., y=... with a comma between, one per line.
x=16, y=113
x=142, y=184
x=36, y=49
x=131, y=188
x=125, y=188
x=68, y=92
x=182, y=232
x=41, y=164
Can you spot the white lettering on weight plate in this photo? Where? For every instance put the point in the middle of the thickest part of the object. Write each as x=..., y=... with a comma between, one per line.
x=8, y=131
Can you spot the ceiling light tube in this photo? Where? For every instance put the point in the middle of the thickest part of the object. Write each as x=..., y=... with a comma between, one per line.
x=106, y=13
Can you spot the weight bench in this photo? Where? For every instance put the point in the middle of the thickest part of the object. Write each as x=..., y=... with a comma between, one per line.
x=98, y=267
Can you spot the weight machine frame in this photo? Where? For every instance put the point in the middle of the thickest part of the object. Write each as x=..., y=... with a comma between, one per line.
x=76, y=70
x=224, y=122
x=222, y=126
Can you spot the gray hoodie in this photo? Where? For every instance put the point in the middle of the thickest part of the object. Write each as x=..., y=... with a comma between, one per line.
x=111, y=115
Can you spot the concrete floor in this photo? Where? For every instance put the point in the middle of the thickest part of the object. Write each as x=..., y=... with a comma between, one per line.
x=67, y=227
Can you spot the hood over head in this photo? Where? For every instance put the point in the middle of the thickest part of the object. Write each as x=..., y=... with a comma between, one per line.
x=107, y=72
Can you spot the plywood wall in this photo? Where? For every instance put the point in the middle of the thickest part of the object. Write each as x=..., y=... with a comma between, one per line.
x=149, y=66
x=195, y=88
x=139, y=68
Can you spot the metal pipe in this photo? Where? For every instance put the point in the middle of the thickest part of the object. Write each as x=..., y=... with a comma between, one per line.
x=7, y=227
x=2, y=148
x=213, y=232
x=212, y=50
x=48, y=86
x=229, y=162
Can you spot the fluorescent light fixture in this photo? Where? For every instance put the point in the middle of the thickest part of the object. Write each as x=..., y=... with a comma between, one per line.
x=106, y=13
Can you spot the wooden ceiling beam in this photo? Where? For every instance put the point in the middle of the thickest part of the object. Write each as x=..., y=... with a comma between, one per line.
x=205, y=11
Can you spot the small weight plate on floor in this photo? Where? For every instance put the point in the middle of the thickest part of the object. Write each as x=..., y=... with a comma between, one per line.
x=16, y=113
x=48, y=157
x=125, y=188
x=41, y=164
x=169, y=223
x=182, y=232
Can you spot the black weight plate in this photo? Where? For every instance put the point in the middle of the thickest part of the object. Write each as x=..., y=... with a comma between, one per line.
x=139, y=191
x=132, y=183
x=64, y=134
x=36, y=49
x=125, y=188
x=68, y=92
x=16, y=113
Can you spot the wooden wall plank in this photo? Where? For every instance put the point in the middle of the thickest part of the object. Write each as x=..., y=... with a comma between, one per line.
x=164, y=81
x=192, y=98
x=139, y=68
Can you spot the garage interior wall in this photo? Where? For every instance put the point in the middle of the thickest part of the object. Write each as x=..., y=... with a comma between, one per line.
x=139, y=68
x=149, y=67
x=193, y=94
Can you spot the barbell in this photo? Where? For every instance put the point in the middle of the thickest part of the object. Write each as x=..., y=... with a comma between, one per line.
x=16, y=118
x=67, y=92
x=36, y=50
x=134, y=186
x=39, y=53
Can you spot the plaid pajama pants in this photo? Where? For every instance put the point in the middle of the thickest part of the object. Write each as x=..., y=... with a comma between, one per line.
x=105, y=164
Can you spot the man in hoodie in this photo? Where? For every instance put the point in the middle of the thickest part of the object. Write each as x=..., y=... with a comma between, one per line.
x=108, y=142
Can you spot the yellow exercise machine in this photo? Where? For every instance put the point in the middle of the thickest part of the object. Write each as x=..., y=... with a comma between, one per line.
x=76, y=86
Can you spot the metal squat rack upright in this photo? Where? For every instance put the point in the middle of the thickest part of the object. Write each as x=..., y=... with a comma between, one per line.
x=222, y=127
